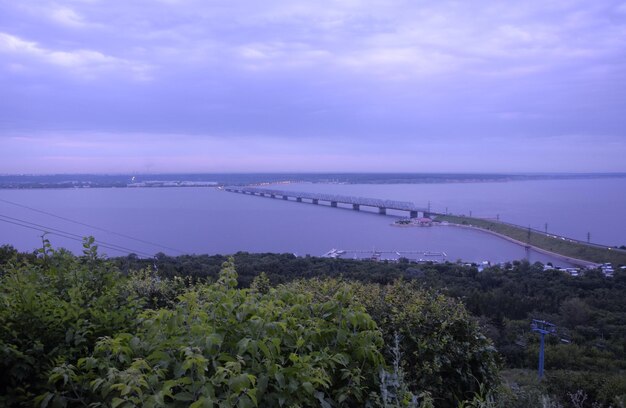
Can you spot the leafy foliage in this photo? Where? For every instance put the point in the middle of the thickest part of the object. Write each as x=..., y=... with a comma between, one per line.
x=229, y=347
x=588, y=309
x=444, y=352
x=52, y=309
x=76, y=330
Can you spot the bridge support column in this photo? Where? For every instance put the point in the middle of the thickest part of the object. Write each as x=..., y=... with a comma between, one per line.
x=272, y=195
x=333, y=203
x=356, y=207
x=315, y=201
x=285, y=197
x=413, y=214
x=299, y=199
x=382, y=210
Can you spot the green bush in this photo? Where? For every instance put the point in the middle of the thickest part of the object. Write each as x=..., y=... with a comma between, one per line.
x=231, y=347
x=75, y=331
x=53, y=309
x=444, y=352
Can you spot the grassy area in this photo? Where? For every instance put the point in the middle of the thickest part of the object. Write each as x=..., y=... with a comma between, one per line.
x=557, y=245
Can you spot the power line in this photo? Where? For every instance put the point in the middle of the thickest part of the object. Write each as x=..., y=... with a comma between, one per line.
x=38, y=229
x=68, y=235
x=78, y=238
x=91, y=226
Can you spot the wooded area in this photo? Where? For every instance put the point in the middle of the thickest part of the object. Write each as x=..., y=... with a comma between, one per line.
x=253, y=329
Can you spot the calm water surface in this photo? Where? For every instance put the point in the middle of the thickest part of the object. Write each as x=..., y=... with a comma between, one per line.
x=206, y=220
x=570, y=207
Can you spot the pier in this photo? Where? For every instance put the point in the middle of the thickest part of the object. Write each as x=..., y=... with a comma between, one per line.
x=389, y=255
x=380, y=206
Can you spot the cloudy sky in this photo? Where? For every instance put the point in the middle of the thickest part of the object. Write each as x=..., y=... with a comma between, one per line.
x=289, y=85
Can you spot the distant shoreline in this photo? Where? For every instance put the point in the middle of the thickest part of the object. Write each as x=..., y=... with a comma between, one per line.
x=56, y=181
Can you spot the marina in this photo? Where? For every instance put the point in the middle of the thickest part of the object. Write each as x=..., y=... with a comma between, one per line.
x=387, y=255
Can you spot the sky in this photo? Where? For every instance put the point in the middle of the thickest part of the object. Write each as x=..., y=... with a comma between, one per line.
x=148, y=86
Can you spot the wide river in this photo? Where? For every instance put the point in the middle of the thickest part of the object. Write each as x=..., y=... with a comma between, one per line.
x=208, y=220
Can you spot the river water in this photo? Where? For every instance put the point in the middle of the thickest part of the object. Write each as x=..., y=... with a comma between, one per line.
x=208, y=220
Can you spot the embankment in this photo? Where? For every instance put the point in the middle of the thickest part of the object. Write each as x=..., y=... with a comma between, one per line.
x=570, y=250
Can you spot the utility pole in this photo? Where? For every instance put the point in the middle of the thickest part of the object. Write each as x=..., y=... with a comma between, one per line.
x=546, y=226
x=589, y=237
x=528, y=237
x=542, y=327
x=446, y=210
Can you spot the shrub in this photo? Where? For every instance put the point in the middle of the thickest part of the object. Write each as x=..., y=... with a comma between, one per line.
x=53, y=309
x=445, y=353
x=232, y=347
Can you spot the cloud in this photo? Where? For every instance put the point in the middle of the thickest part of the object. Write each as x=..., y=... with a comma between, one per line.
x=84, y=62
x=68, y=17
x=380, y=39
x=374, y=73
x=281, y=55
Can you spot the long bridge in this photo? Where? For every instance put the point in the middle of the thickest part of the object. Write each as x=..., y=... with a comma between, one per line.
x=334, y=200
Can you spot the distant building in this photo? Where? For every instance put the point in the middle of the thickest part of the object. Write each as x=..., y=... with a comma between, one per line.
x=424, y=222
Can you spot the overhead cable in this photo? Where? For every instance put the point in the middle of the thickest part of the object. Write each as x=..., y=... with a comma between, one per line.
x=69, y=235
x=91, y=226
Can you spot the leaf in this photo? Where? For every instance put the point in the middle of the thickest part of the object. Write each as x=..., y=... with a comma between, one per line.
x=280, y=379
x=308, y=387
x=242, y=345
x=239, y=383
x=117, y=402
x=184, y=396
x=202, y=402
x=323, y=403
x=300, y=342
x=265, y=350
x=341, y=358
x=46, y=400
x=251, y=393
x=262, y=383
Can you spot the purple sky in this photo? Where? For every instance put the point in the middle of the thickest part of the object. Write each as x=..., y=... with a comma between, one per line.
x=288, y=85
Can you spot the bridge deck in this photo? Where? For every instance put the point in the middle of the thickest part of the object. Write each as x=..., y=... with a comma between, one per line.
x=370, y=202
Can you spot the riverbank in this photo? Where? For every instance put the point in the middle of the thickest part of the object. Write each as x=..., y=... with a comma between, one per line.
x=573, y=261
x=570, y=250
